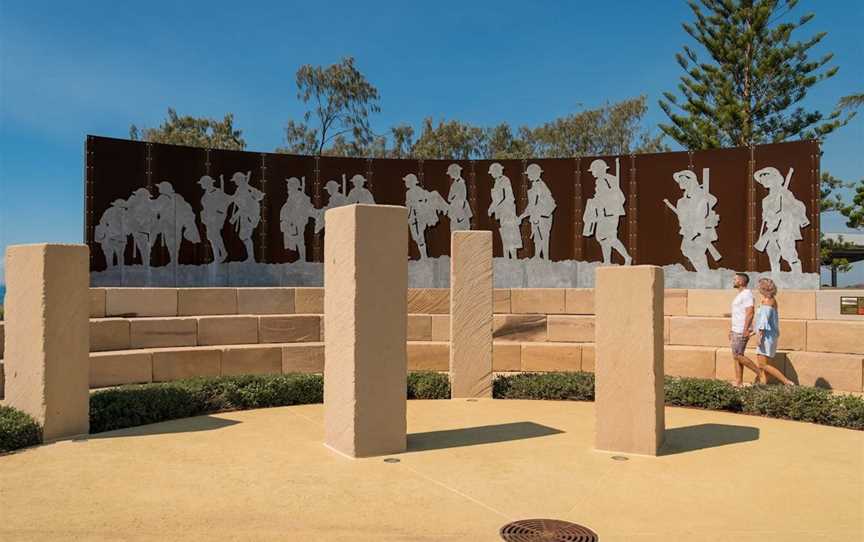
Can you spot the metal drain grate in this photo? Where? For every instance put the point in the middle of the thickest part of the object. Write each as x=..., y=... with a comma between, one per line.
x=546, y=530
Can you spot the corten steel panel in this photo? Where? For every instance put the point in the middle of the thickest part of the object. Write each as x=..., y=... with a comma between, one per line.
x=183, y=167
x=658, y=240
x=592, y=251
x=784, y=156
x=277, y=169
x=115, y=168
x=118, y=167
x=728, y=170
x=513, y=170
x=226, y=163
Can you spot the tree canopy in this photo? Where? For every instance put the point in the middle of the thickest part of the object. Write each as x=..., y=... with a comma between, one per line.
x=192, y=131
x=341, y=102
x=750, y=89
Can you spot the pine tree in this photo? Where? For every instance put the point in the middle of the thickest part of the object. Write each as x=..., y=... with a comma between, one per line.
x=750, y=91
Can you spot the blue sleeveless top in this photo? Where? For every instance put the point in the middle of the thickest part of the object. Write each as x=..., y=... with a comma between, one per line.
x=768, y=322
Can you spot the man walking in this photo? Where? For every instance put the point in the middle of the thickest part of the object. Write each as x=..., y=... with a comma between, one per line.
x=742, y=327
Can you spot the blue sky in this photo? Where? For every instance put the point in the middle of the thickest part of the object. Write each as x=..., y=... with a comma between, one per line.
x=72, y=68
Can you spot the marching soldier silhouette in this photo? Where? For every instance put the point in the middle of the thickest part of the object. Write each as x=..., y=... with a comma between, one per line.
x=539, y=210
x=111, y=233
x=214, y=210
x=360, y=194
x=295, y=214
x=783, y=216
x=423, y=209
x=503, y=206
x=697, y=220
x=459, y=210
x=175, y=221
x=247, y=211
x=141, y=221
x=604, y=210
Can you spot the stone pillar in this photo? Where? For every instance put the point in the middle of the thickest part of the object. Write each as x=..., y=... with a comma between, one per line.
x=365, y=323
x=48, y=336
x=628, y=304
x=471, y=303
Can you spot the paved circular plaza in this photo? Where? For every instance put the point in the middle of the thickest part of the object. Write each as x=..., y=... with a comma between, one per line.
x=472, y=466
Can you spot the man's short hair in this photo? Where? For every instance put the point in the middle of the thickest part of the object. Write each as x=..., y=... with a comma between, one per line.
x=744, y=276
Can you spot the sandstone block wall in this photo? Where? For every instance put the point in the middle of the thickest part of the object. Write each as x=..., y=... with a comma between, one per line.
x=696, y=340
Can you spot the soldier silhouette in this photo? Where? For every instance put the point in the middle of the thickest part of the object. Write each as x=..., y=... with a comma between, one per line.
x=783, y=216
x=603, y=211
x=539, y=210
x=175, y=221
x=336, y=198
x=697, y=221
x=294, y=216
x=111, y=233
x=247, y=211
x=141, y=217
x=214, y=210
x=503, y=206
x=459, y=210
x=359, y=194
x=423, y=208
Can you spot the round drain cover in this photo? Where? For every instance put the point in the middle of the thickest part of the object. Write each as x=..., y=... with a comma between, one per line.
x=546, y=530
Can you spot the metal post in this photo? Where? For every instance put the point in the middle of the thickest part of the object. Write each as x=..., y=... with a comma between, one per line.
x=578, y=239
x=751, y=211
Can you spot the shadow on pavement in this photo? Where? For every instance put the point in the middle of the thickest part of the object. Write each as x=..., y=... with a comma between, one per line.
x=706, y=435
x=470, y=436
x=183, y=425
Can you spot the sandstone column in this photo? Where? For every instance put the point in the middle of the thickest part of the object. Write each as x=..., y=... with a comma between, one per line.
x=48, y=336
x=365, y=323
x=628, y=404
x=471, y=314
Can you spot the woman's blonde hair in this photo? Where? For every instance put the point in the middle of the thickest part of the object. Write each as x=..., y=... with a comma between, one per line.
x=767, y=288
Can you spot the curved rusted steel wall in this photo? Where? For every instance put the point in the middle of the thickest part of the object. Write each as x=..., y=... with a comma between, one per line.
x=649, y=230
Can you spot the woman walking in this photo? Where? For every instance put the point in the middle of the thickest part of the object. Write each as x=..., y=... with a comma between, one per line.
x=767, y=327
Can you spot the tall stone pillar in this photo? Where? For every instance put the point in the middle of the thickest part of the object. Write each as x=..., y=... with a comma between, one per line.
x=628, y=305
x=365, y=329
x=471, y=314
x=48, y=336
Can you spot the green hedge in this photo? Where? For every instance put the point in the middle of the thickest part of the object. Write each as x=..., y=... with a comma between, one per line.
x=128, y=406
x=17, y=430
x=428, y=385
x=797, y=403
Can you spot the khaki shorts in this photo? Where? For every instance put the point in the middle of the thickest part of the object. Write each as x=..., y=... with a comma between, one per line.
x=738, y=342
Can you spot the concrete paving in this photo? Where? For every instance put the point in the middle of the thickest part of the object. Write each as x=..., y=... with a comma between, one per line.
x=472, y=466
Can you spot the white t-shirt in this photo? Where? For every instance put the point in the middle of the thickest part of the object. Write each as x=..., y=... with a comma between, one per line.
x=742, y=301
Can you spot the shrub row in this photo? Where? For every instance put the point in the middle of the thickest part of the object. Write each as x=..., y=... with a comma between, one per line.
x=17, y=430
x=797, y=403
x=130, y=406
